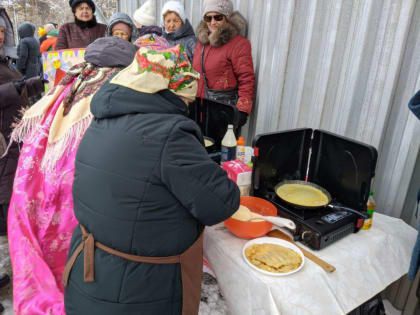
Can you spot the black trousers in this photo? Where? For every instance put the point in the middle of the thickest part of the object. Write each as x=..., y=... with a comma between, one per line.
x=3, y=219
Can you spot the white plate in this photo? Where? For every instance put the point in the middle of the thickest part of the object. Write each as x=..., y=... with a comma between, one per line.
x=277, y=241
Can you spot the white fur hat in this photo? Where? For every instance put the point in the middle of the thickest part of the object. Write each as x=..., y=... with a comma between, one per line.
x=146, y=14
x=174, y=6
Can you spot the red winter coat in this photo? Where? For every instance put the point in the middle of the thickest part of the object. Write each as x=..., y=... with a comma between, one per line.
x=227, y=61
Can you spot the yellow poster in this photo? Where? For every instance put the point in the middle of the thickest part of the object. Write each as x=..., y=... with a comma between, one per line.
x=57, y=63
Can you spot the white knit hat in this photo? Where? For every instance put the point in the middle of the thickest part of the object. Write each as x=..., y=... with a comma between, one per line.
x=146, y=14
x=174, y=6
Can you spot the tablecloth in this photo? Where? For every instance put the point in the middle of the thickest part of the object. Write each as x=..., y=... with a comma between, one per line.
x=366, y=263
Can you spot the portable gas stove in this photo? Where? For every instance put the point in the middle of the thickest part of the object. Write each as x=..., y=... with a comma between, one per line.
x=342, y=166
x=318, y=228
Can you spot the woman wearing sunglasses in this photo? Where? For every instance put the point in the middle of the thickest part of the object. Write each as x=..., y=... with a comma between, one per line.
x=224, y=55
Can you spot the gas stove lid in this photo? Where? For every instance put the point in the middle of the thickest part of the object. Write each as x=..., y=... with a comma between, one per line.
x=279, y=156
x=342, y=166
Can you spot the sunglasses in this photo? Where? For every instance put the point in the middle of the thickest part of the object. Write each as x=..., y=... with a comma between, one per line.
x=218, y=18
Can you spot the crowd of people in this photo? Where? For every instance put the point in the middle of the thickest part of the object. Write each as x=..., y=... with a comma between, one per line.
x=106, y=199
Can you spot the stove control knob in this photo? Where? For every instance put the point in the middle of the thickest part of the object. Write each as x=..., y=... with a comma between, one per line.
x=307, y=236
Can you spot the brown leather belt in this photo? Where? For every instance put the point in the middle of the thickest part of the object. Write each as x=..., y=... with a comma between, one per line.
x=191, y=267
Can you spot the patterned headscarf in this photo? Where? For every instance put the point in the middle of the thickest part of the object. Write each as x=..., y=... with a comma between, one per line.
x=88, y=79
x=152, y=41
x=156, y=70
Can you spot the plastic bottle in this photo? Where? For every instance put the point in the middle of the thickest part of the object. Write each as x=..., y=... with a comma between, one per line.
x=228, y=145
x=240, y=149
x=371, y=205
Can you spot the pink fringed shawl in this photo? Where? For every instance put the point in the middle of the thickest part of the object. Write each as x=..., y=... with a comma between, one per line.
x=41, y=218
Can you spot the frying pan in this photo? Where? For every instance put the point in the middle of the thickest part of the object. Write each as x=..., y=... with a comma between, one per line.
x=328, y=204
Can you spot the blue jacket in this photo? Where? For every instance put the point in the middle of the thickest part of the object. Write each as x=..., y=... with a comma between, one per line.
x=414, y=106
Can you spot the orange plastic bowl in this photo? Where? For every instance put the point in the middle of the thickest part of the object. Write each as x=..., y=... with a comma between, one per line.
x=251, y=229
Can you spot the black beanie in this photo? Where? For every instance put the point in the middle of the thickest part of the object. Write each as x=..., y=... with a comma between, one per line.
x=75, y=3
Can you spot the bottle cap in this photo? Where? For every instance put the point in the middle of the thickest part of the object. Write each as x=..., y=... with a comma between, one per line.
x=230, y=126
x=241, y=141
x=371, y=193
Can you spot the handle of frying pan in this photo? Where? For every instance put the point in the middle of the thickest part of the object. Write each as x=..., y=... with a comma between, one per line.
x=336, y=207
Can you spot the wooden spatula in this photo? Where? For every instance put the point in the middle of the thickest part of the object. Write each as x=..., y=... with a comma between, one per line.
x=323, y=264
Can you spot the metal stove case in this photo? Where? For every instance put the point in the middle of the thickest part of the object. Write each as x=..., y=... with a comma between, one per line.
x=342, y=166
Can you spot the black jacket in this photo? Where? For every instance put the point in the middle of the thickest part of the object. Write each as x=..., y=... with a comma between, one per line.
x=29, y=56
x=11, y=102
x=143, y=185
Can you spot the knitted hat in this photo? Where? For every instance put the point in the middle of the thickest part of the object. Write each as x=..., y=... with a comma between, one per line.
x=224, y=7
x=49, y=27
x=153, y=71
x=122, y=27
x=152, y=41
x=110, y=52
x=145, y=15
x=74, y=3
x=2, y=22
x=173, y=6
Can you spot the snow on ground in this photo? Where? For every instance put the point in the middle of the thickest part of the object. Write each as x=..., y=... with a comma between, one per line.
x=6, y=292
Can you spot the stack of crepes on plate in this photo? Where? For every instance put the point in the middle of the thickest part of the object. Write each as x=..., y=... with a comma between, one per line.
x=273, y=257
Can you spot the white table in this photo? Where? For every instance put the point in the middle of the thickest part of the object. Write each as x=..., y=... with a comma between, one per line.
x=366, y=263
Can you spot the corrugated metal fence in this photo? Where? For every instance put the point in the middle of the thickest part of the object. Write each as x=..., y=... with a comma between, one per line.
x=346, y=66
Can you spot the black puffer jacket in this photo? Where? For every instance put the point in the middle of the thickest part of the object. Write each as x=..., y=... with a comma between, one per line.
x=29, y=56
x=143, y=185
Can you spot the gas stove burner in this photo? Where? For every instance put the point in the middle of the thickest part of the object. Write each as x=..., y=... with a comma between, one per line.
x=322, y=227
x=316, y=228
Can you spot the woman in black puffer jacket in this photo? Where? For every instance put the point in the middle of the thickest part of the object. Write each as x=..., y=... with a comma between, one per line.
x=144, y=188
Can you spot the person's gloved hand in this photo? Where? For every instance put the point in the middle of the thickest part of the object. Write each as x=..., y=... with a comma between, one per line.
x=35, y=86
x=242, y=118
x=19, y=85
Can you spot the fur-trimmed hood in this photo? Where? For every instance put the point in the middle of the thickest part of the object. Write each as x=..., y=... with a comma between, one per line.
x=235, y=25
x=124, y=18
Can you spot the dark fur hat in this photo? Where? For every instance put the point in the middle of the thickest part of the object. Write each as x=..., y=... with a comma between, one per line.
x=74, y=3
